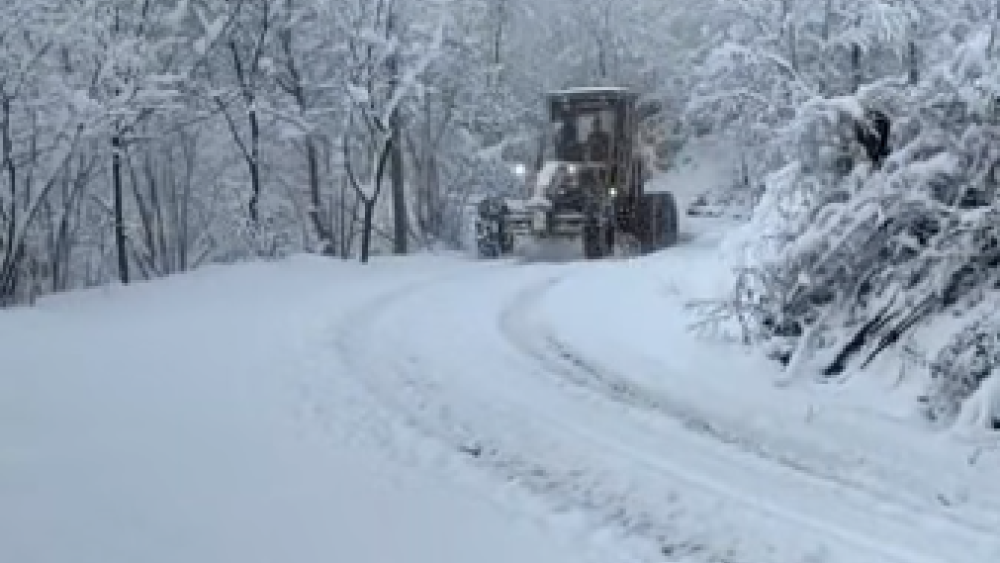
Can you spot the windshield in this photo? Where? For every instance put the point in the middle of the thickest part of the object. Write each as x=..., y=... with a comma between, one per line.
x=585, y=136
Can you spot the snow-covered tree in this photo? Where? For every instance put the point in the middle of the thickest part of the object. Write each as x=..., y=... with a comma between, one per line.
x=849, y=255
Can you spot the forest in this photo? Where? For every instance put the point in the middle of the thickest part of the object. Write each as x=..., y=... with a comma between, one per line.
x=144, y=138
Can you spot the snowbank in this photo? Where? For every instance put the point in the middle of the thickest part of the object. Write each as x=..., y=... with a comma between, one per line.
x=866, y=431
x=171, y=422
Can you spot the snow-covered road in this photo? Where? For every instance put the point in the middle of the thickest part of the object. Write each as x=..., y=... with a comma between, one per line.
x=581, y=383
x=440, y=410
x=179, y=422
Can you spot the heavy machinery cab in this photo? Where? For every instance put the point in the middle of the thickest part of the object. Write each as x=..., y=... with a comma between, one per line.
x=590, y=181
x=582, y=119
x=593, y=131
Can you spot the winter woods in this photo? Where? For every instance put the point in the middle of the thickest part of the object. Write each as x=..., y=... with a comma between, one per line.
x=851, y=258
x=141, y=138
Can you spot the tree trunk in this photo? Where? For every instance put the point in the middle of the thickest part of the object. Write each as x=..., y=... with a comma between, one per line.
x=856, y=67
x=345, y=248
x=119, y=211
x=9, y=263
x=401, y=230
x=323, y=232
x=498, y=34
x=366, y=229
x=254, y=163
x=189, y=149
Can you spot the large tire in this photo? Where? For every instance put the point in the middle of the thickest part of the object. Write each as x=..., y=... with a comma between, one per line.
x=488, y=247
x=658, y=222
x=506, y=243
x=673, y=224
x=595, y=241
x=493, y=240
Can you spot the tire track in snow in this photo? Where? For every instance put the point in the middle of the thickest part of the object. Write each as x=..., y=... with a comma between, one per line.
x=527, y=332
x=535, y=338
x=405, y=386
x=565, y=488
x=400, y=425
x=335, y=403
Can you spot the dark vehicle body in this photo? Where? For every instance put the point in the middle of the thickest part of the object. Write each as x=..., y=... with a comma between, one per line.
x=590, y=185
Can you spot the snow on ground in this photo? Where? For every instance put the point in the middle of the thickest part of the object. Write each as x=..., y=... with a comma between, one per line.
x=171, y=422
x=580, y=382
x=859, y=435
x=439, y=409
x=703, y=164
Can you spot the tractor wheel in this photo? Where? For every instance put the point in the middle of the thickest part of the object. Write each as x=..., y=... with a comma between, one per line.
x=658, y=222
x=487, y=247
x=595, y=241
x=673, y=220
x=506, y=244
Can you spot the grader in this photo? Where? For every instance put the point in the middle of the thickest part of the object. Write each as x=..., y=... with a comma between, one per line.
x=588, y=194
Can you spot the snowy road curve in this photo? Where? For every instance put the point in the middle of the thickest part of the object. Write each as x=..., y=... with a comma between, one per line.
x=442, y=410
x=481, y=361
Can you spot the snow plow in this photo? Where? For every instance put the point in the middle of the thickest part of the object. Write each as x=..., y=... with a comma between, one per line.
x=588, y=195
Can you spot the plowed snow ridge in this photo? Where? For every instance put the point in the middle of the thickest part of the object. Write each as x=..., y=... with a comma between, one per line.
x=494, y=380
x=440, y=410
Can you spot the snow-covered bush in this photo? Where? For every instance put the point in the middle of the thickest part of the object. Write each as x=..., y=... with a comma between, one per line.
x=960, y=371
x=846, y=257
